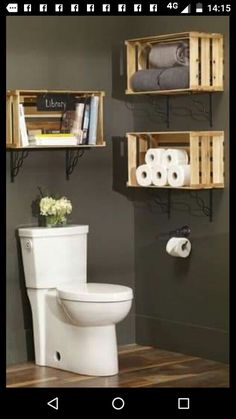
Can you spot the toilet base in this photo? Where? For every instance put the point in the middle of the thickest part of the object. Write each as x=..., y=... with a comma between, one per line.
x=86, y=350
x=91, y=351
x=98, y=354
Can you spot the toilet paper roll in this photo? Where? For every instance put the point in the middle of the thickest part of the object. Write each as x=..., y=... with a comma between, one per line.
x=144, y=175
x=154, y=156
x=179, y=175
x=170, y=246
x=174, y=156
x=178, y=247
x=159, y=175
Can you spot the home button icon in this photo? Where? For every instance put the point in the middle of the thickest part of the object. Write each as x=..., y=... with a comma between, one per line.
x=118, y=403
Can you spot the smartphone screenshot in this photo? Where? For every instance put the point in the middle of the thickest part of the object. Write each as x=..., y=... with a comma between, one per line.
x=117, y=208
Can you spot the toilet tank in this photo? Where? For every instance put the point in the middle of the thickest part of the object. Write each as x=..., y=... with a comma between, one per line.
x=52, y=256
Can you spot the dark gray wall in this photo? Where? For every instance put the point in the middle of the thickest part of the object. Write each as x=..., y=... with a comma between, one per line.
x=69, y=53
x=182, y=305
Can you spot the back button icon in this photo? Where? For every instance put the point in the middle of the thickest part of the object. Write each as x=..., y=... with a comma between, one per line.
x=53, y=403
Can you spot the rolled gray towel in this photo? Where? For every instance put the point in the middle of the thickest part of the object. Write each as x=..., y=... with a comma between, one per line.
x=169, y=55
x=174, y=78
x=160, y=79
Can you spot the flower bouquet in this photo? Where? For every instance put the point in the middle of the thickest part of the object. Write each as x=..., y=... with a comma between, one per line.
x=55, y=210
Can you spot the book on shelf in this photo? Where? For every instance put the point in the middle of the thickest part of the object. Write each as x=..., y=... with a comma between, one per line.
x=67, y=121
x=53, y=140
x=93, y=121
x=22, y=127
x=86, y=118
x=77, y=123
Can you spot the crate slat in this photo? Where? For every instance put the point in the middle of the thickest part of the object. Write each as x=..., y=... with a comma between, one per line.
x=153, y=141
x=194, y=160
x=16, y=129
x=221, y=62
x=143, y=146
x=217, y=62
x=205, y=62
x=9, y=120
x=205, y=149
x=131, y=64
x=218, y=159
x=138, y=63
x=205, y=69
x=132, y=159
x=194, y=63
x=179, y=35
x=100, y=127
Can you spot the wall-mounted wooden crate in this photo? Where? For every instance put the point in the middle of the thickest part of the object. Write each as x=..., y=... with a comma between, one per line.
x=205, y=150
x=205, y=61
x=37, y=119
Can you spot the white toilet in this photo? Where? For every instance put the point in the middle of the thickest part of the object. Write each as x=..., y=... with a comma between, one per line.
x=73, y=321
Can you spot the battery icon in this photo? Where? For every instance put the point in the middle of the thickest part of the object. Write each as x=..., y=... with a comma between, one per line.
x=199, y=8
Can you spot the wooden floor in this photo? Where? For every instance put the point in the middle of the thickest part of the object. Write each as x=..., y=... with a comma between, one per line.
x=139, y=367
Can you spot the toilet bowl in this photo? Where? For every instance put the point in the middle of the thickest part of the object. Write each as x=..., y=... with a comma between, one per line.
x=95, y=309
x=73, y=321
x=93, y=304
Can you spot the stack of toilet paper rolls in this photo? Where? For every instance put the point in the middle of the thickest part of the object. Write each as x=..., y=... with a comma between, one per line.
x=164, y=167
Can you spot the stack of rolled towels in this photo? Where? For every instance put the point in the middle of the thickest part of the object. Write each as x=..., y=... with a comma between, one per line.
x=168, y=67
x=164, y=167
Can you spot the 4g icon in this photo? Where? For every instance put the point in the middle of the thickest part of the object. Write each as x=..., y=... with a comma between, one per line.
x=172, y=5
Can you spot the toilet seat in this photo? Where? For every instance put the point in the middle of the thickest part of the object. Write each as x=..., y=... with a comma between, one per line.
x=94, y=292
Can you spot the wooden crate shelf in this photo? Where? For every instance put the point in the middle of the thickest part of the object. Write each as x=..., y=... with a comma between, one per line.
x=205, y=61
x=37, y=119
x=205, y=150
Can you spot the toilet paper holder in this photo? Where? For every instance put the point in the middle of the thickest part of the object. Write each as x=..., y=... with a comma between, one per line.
x=183, y=231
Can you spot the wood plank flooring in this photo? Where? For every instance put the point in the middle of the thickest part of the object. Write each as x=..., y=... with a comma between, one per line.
x=139, y=367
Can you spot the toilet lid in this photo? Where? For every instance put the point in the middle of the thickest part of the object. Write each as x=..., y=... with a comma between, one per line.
x=94, y=292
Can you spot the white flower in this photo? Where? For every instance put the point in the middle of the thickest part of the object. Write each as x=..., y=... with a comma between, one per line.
x=59, y=207
x=46, y=205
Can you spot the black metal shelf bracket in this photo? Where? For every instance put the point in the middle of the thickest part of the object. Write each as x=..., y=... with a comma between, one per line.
x=72, y=158
x=17, y=158
x=206, y=210
x=196, y=109
x=164, y=206
x=201, y=110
